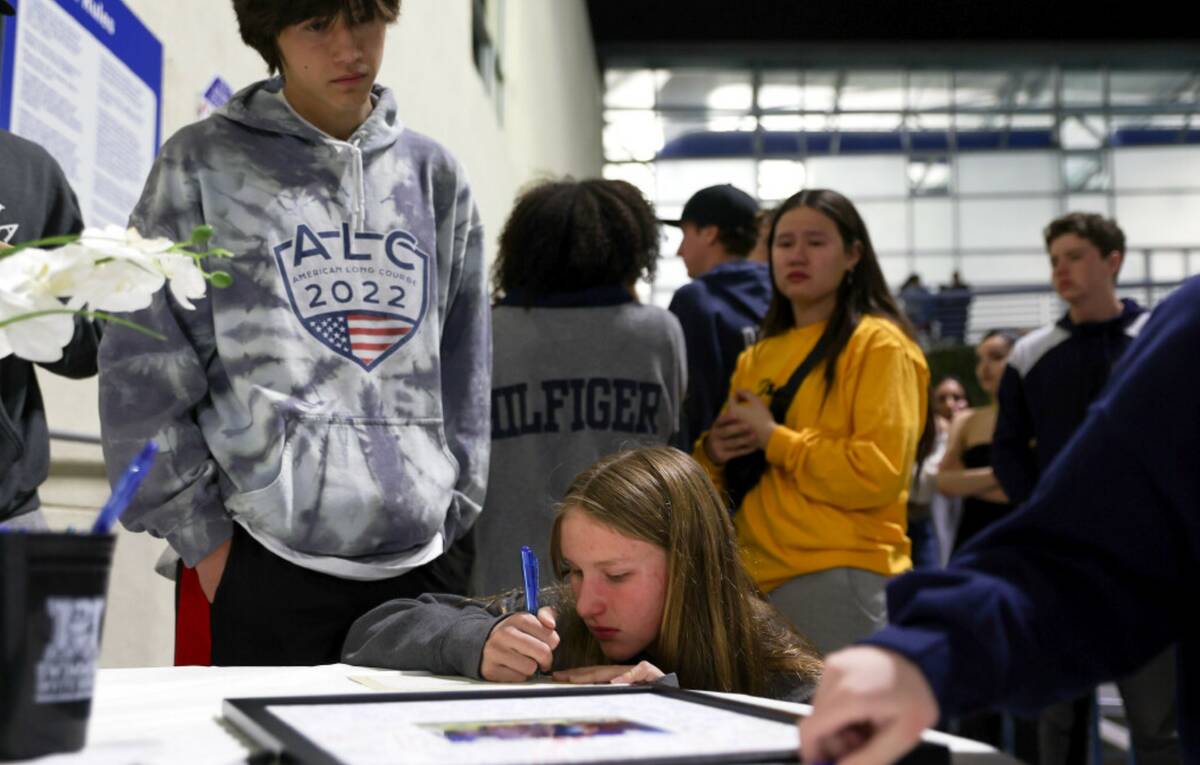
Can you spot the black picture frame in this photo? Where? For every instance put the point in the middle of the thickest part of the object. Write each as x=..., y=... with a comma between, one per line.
x=282, y=741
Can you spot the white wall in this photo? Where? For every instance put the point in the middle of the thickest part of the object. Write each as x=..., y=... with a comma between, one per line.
x=553, y=114
x=551, y=126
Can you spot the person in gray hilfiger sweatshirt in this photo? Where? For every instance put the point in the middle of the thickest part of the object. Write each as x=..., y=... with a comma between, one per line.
x=581, y=368
x=323, y=421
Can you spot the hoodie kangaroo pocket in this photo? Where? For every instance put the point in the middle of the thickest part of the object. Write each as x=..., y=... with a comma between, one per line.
x=354, y=487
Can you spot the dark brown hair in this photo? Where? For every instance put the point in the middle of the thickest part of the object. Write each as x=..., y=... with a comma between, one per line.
x=261, y=21
x=1100, y=231
x=717, y=632
x=862, y=291
x=738, y=242
x=566, y=235
x=1010, y=336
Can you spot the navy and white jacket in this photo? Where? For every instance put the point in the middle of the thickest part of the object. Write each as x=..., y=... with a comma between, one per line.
x=720, y=313
x=1054, y=373
x=1089, y=579
x=334, y=400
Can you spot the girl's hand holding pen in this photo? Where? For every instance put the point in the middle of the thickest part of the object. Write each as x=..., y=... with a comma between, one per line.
x=519, y=646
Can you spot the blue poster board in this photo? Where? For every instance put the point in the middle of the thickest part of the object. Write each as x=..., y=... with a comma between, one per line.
x=83, y=78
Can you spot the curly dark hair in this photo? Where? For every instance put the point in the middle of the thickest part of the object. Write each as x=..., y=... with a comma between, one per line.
x=567, y=235
x=261, y=21
x=1097, y=229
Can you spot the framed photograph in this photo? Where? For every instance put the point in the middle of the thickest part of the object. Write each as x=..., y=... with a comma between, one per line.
x=642, y=724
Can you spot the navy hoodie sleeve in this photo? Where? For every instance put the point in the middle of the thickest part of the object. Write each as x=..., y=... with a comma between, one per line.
x=701, y=401
x=1013, y=459
x=1085, y=582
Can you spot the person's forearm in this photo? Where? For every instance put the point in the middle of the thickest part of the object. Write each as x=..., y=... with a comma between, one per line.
x=996, y=495
x=443, y=634
x=970, y=482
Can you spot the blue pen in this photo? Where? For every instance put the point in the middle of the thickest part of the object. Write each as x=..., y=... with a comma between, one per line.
x=529, y=566
x=126, y=487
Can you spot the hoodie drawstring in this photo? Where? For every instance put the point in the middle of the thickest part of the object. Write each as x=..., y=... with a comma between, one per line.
x=360, y=188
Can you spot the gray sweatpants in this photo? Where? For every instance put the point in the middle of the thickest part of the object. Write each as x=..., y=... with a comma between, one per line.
x=835, y=607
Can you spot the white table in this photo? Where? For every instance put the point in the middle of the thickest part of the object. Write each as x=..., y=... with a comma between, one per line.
x=173, y=715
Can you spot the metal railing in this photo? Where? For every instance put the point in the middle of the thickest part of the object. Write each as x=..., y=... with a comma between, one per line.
x=74, y=437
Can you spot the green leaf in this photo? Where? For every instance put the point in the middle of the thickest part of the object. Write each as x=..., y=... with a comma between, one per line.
x=32, y=315
x=89, y=314
x=52, y=241
x=220, y=279
x=124, y=323
x=201, y=234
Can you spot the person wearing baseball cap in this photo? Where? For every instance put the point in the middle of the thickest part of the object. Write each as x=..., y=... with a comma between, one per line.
x=721, y=308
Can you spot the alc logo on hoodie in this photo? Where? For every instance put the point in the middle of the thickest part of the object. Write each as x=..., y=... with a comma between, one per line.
x=362, y=294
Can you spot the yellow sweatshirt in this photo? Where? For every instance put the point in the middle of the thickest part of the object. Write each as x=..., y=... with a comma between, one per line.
x=836, y=486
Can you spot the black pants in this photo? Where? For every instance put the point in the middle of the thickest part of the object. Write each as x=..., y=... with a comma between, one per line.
x=270, y=612
x=988, y=727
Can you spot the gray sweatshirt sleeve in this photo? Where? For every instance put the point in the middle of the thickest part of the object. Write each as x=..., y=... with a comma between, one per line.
x=679, y=391
x=149, y=388
x=442, y=634
x=466, y=353
x=792, y=687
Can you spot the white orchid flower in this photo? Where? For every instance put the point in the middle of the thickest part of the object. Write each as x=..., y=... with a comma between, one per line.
x=184, y=276
x=108, y=269
x=120, y=286
x=38, y=338
x=43, y=272
x=117, y=242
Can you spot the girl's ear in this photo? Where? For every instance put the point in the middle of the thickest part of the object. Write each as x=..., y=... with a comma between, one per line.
x=854, y=254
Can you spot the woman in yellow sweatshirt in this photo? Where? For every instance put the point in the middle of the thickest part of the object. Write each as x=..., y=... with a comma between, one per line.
x=824, y=528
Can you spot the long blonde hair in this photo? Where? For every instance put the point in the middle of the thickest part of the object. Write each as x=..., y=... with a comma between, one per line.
x=717, y=632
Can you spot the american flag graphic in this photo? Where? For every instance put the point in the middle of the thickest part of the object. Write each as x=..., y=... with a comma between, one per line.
x=364, y=337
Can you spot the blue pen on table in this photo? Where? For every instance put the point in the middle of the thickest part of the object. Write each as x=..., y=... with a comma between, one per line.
x=126, y=487
x=529, y=567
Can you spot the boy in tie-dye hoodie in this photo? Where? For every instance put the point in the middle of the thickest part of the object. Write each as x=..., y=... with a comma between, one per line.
x=323, y=422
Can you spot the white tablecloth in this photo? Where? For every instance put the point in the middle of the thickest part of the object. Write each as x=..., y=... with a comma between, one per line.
x=173, y=715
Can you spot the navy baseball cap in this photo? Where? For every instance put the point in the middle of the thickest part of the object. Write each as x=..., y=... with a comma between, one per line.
x=725, y=206
x=6, y=9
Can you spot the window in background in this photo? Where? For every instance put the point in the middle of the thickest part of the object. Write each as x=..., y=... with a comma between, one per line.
x=954, y=169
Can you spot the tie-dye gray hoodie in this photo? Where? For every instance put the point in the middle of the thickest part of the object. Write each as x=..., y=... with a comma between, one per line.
x=334, y=400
